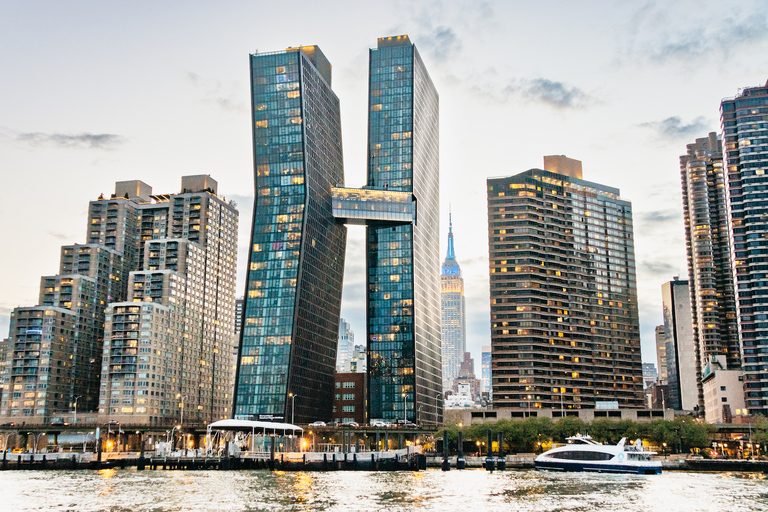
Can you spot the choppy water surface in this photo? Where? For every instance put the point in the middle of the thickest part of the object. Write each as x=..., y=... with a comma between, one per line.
x=463, y=491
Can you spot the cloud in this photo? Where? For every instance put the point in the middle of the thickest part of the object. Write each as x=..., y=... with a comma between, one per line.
x=65, y=140
x=60, y=236
x=673, y=128
x=654, y=34
x=724, y=36
x=213, y=93
x=658, y=268
x=661, y=216
x=442, y=43
x=244, y=205
x=548, y=92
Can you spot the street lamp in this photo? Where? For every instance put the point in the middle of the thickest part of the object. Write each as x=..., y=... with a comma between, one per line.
x=405, y=409
x=85, y=440
x=171, y=436
x=76, y=398
x=181, y=420
x=293, y=403
x=37, y=441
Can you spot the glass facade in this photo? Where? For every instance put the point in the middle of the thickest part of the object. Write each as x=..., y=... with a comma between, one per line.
x=564, y=315
x=295, y=269
x=403, y=302
x=744, y=121
x=358, y=206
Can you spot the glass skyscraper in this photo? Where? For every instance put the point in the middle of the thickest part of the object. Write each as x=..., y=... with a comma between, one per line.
x=403, y=302
x=452, y=313
x=744, y=121
x=296, y=260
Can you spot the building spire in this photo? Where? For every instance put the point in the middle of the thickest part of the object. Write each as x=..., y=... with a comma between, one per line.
x=451, y=254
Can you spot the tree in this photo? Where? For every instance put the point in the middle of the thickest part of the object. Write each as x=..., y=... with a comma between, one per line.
x=760, y=435
x=567, y=427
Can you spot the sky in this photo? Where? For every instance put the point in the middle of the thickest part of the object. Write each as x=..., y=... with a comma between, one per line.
x=95, y=92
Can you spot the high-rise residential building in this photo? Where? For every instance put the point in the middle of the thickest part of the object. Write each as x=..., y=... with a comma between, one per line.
x=682, y=369
x=62, y=352
x=239, y=310
x=403, y=300
x=661, y=353
x=293, y=292
x=744, y=123
x=5, y=379
x=452, y=314
x=713, y=302
x=564, y=314
x=56, y=355
x=346, y=346
x=485, y=379
x=296, y=259
x=168, y=348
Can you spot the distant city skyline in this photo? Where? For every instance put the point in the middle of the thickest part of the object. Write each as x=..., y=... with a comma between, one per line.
x=164, y=92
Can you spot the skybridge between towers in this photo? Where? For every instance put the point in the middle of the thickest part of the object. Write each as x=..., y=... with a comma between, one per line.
x=363, y=206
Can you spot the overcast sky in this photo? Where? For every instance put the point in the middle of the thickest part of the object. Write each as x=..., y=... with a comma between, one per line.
x=94, y=92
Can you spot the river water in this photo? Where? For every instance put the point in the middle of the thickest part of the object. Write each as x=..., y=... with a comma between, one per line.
x=129, y=490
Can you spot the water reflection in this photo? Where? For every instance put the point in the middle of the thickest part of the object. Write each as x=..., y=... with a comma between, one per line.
x=472, y=490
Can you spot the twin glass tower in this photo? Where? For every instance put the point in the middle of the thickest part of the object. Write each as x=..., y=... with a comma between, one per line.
x=287, y=352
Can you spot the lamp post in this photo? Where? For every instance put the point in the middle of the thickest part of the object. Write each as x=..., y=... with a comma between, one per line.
x=76, y=398
x=37, y=442
x=293, y=403
x=173, y=436
x=181, y=419
x=109, y=431
x=85, y=440
x=663, y=405
x=405, y=409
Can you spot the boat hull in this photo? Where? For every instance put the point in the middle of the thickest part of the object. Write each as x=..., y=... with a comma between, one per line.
x=598, y=468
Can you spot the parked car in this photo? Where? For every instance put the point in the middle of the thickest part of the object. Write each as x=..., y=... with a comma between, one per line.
x=351, y=424
x=380, y=423
x=317, y=424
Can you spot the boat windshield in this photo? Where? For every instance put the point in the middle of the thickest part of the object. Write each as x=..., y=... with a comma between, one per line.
x=579, y=439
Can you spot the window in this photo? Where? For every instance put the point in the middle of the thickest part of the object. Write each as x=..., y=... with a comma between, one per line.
x=722, y=388
x=348, y=408
x=582, y=455
x=724, y=399
x=348, y=396
x=348, y=385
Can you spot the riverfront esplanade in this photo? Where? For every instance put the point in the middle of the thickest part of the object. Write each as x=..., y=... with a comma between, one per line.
x=293, y=293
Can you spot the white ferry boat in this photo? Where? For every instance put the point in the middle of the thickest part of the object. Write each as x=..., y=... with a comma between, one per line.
x=584, y=454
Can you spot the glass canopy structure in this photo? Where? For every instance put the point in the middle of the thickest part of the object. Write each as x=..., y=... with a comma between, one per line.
x=361, y=206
